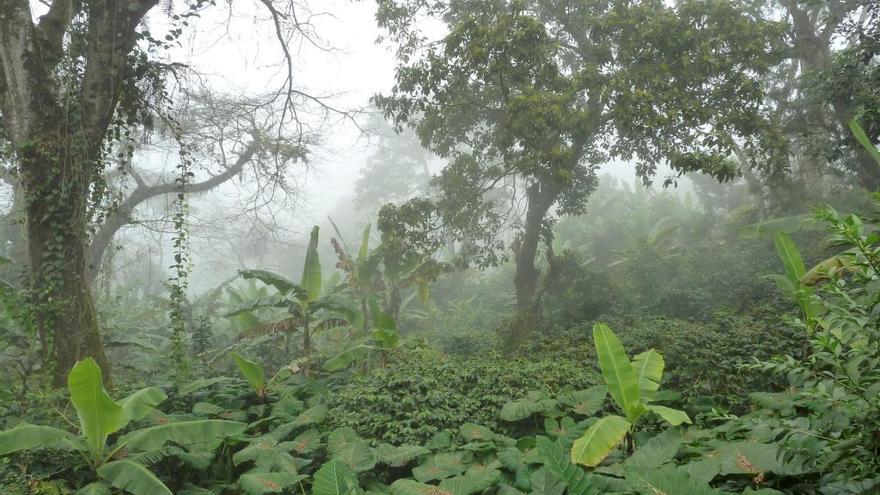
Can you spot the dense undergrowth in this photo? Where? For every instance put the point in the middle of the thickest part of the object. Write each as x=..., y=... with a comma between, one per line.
x=750, y=397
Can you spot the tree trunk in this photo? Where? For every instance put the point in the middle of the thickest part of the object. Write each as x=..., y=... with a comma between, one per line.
x=56, y=186
x=540, y=198
x=57, y=129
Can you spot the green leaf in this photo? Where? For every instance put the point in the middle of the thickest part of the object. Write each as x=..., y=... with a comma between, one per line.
x=365, y=246
x=281, y=284
x=311, y=277
x=27, y=437
x=657, y=451
x=345, y=445
x=140, y=403
x=790, y=256
x=554, y=457
x=599, y=440
x=863, y=139
x=477, y=479
x=400, y=455
x=674, y=417
x=260, y=483
x=521, y=409
x=474, y=432
x=133, y=478
x=440, y=466
x=307, y=441
x=99, y=415
x=619, y=374
x=585, y=402
x=649, y=371
x=410, y=487
x=96, y=488
x=251, y=371
x=347, y=357
x=313, y=415
x=334, y=478
x=183, y=433
x=666, y=480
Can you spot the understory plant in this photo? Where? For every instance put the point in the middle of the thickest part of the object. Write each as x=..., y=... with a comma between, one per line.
x=125, y=463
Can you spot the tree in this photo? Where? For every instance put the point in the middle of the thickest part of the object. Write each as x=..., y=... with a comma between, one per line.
x=73, y=83
x=526, y=99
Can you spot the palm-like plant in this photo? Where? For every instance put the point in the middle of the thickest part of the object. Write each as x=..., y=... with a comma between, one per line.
x=306, y=305
x=124, y=464
x=633, y=386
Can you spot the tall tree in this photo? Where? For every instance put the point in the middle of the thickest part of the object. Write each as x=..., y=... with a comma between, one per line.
x=72, y=82
x=533, y=96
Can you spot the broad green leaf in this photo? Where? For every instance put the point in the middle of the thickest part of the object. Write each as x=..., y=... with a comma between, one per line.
x=313, y=415
x=99, y=415
x=260, y=483
x=674, y=417
x=477, y=479
x=95, y=488
x=790, y=256
x=585, y=402
x=440, y=466
x=524, y=408
x=544, y=482
x=251, y=371
x=307, y=441
x=599, y=440
x=183, y=433
x=864, y=140
x=554, y=457
x=666, y=480
x=365, y=246
x=140, y=403
x=657, y=451
x=649, y=371
x=767, y=229
x=345, y=445
x=473, y=432
x=347, y=357
x=620, y=377
x=28, y=437
x=281, y=284
x=410, y=487
x=334, y=478
x=396, y=456
x=311, y=276
x=244, y=312
x=133, y=478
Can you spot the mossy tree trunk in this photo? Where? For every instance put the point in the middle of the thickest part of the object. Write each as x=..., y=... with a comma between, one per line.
x=57, y=107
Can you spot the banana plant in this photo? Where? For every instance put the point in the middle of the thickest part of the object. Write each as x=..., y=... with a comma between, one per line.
x=384, y=341
x=304, y=302
x=122, y=465
x=795, y=284
x=633, y=386
x=255, y=376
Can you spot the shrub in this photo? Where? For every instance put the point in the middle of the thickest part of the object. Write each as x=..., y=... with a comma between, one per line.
x=425, y=393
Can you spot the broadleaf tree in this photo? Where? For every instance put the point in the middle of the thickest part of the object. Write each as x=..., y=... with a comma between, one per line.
x=526, y=99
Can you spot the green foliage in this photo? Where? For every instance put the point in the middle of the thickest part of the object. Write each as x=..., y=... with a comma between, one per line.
x=100, y=416
x=625, y=382
x=422, y=393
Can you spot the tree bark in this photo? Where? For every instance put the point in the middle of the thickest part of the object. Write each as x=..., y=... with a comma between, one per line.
x=540, y=197
x=58, y=137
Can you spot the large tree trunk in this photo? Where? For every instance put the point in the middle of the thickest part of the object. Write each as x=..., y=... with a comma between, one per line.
x=56, y=186
x=540, y=198
x=57, y=133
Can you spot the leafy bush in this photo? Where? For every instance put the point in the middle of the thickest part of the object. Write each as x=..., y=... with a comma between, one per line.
x=425, y=393
x=703, y=359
